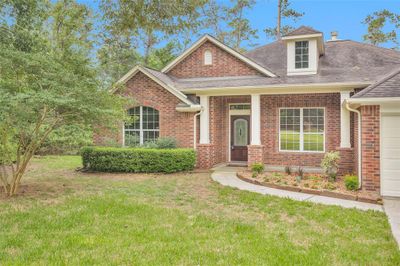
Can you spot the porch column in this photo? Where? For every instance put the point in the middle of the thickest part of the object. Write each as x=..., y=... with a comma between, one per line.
x=344, y=121
x=255, y=120
x=204, y=120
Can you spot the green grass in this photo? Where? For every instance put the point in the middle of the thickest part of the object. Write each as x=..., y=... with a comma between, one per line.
x=67, y=217
x=290, y=141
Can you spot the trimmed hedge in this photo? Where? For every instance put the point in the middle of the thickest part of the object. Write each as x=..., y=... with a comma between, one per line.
x=138, y=160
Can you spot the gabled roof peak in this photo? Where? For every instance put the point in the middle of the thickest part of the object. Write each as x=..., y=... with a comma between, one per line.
x=302, y=30
x=224, y=47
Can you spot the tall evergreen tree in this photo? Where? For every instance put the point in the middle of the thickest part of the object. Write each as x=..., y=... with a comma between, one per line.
x=383, y=27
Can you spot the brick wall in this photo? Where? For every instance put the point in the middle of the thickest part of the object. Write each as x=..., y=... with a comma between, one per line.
x=224, y=64
x=370, y=147
x=148, y=93
x=270, y=105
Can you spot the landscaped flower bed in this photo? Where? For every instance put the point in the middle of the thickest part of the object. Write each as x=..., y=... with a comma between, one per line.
x=310, y=183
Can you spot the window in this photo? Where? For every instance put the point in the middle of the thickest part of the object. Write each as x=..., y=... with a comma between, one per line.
x=301, y=54
x=240, y=106
x=207, y=57
x=302, y=129
x=144, y=128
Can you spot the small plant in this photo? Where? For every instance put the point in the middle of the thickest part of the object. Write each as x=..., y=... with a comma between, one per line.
x=330, y=186
x=300, y=174
x=330, y=164
x=288, y=170
x=351, y=182
x=257, y=168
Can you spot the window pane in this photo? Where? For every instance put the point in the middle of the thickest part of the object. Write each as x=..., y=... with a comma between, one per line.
x=150, y=118
x=150, y=136
x=301, y=54
x=240, y=132
x=132, y=138
x=313, y=128
x=135, y=115
x=290, y=129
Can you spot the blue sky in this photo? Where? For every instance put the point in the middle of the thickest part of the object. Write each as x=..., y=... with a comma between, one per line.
x=344, y=16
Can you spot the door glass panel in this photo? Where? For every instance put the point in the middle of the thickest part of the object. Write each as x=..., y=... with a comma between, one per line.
x=240, y=132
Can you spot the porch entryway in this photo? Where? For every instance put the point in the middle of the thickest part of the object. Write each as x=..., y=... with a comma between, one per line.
x=240, y=137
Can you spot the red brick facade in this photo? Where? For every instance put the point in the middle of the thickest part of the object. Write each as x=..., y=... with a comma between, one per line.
x=180, y=125
x=370, y=147
x=146, y=92
x=223, y=64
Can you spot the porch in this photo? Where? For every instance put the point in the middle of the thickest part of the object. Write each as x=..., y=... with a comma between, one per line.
x=244, y=129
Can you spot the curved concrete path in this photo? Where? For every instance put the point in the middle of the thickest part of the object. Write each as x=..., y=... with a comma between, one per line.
x=227, y=176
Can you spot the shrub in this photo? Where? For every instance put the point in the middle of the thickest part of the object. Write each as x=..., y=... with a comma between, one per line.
x=300, y=172
x=351, y=182
x=166, y=143
x=288, y=170
x=330, y=164
x=137, y=160
x=257, y=168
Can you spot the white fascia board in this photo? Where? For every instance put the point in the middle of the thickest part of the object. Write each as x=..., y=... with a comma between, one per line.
x=223, y=47
x=278, y=89
x=304, y=36
x=181, y=96
x=370, y=101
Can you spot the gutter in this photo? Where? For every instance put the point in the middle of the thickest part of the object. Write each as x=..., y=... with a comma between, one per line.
x=359, y=157
x=189, y=108
x=195, y=127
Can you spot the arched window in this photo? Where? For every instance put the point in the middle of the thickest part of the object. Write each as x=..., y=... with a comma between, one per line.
x=207, y=57
x=144, y=128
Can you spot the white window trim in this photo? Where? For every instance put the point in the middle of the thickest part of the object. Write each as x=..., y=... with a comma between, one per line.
x=205, y=62
x=301, y=61
x=301, y=130
x=140, y=130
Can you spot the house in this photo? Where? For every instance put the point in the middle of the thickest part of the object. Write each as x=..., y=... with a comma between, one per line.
x=284, y=103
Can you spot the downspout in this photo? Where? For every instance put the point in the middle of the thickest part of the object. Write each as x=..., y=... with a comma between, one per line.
x=358, y=140
x=195, y=128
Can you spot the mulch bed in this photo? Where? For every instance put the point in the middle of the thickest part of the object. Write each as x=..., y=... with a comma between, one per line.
x=315, y=184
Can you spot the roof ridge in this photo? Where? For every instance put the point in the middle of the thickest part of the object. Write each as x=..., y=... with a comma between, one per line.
x=377, y=83
x=368, y=44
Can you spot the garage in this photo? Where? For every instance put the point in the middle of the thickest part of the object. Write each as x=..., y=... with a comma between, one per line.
x=390, y=155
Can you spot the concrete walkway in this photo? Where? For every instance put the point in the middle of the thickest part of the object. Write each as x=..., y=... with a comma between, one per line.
x=392, y=209
x=227, y=176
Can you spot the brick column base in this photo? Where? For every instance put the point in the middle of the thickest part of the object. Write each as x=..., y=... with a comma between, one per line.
x=255, y=154
x=346, y=164
x=205, y=156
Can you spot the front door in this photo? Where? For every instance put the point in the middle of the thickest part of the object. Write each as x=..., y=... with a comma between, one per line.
x=240, y=137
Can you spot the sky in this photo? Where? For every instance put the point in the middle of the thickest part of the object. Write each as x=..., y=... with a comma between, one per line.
x=343, y=16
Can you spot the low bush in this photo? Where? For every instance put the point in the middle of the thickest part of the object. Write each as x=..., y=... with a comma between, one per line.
x=351, y=182
x=330, y=164
x=288, y=170
x=138, y=160
x=257, y=168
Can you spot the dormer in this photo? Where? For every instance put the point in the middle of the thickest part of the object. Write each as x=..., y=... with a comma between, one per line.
x=304, y=47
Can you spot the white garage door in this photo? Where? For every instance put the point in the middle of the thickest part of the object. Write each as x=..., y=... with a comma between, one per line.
x=390, y=155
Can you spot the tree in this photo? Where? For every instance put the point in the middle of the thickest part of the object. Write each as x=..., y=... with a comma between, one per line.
x=241, y=29
x=284, y=12
x=377, y=23
x=40, y=91
x=152, y=22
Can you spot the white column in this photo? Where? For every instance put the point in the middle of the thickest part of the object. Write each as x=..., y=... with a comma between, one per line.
x=255, y=119
x=204, y=120
x=344, y=121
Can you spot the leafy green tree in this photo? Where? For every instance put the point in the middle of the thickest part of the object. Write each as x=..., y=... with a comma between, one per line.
x=153, y=20
x=160, y=57
x=40, y=91
x=380, y=21
x=284, y=12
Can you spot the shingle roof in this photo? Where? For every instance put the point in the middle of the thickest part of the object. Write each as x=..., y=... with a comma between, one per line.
x=388, y=86
x=343, y=61
x=303, y=30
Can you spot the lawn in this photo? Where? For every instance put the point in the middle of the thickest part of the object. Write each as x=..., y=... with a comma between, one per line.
x=68, y=217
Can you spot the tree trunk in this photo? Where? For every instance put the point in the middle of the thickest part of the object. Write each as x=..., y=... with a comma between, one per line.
x=278, y=22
